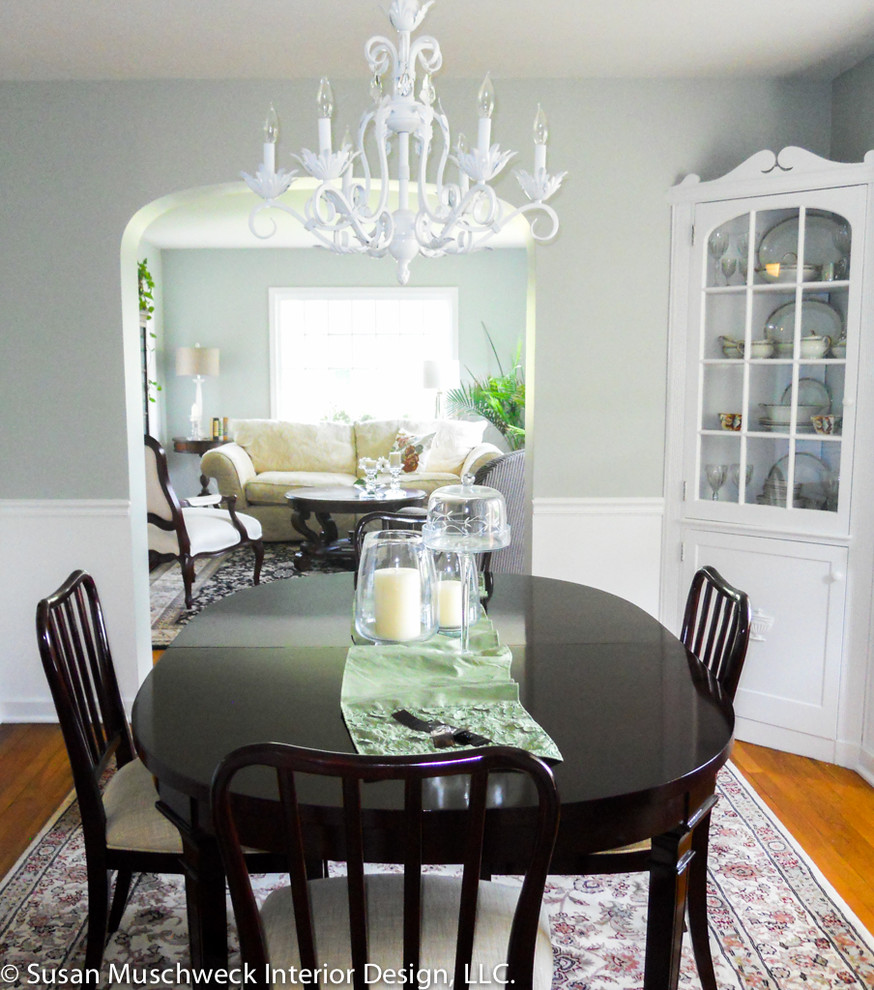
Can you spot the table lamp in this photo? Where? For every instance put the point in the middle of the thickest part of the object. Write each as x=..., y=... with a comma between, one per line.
x=197, y=362
x=440, y=375
x=466, y=519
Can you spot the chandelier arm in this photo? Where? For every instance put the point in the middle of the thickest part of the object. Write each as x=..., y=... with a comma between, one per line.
x=328, y=209
x=380, y=53
x=426, y=51
x=272, y=204
x=444, y=194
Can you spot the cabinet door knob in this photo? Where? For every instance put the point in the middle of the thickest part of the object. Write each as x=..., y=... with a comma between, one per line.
x=835, y=577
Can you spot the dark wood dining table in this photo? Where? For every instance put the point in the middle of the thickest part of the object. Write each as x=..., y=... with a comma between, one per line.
x=642, y=726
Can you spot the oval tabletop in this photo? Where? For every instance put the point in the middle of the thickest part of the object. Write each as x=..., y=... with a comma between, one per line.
x=353, y=498
x=637, y=718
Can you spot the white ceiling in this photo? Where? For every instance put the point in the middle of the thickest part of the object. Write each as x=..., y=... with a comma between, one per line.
x=268, y=39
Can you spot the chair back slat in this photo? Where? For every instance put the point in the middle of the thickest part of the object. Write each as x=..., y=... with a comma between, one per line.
x=74, y=650
x=716, y=626
x=413, y=874
x=473, y=856
x=296, y=855
x=413, y=771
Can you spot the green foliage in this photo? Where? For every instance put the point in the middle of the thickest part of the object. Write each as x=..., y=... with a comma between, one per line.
x=500, y=398
x=146, y=284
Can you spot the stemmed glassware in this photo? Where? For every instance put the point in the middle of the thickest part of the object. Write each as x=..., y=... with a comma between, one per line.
x=743, y=248
x=715, y=474
x=734, y=472
x=717, y=245
x=841, y=240
x=370, y=467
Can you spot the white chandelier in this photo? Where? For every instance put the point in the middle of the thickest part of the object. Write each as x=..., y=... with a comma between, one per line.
x=351, y=214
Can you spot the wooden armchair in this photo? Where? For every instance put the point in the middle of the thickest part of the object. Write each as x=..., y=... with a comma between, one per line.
x=188, y=530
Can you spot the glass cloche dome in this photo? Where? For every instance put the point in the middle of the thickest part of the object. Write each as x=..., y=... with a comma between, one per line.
x=467, y=518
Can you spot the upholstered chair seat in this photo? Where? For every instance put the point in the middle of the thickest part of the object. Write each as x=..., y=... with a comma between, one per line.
x=209, y=530
x=132, y=819
x=496, y=905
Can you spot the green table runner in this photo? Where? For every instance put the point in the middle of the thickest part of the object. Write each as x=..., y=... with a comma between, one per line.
x=435, y=681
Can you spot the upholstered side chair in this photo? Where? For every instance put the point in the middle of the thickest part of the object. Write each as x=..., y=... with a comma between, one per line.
x=194, y=528
x=461, y=925
x=122, y=829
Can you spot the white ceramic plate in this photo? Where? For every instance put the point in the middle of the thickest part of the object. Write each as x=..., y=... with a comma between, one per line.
x=809, y=470
x=817, y=317
x=781, y=241
x=771, y=426
x=810, y=393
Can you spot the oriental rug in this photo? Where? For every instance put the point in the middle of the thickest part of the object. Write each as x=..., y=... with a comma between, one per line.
x=776, y=924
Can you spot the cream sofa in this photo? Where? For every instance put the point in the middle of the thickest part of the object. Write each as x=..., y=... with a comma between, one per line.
x=267, y=458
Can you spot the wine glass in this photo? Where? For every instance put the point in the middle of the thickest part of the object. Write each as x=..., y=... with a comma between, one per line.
x=716, y=474
x=743, y=249
x=717, y=245
x=841, y=240
x=728, y=264
x=734, y=473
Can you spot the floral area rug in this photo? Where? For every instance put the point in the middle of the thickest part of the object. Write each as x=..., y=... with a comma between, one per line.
x=776, y=924
x=215, y=578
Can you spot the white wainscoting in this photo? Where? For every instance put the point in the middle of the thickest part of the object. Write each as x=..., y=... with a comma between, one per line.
x=41, y=543
x=612, y=544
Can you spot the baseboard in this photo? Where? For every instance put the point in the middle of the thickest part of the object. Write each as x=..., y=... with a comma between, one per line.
x=611, y=544
x=864, y=765
x=793, y=741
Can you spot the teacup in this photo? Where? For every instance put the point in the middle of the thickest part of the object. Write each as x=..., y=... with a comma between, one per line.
x=825, y=423
x=815, y=346
x=730, y=421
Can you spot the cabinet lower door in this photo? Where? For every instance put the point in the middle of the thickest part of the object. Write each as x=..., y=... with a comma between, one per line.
x=789, y=690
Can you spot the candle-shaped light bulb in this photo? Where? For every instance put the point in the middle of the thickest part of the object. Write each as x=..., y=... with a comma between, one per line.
x=271, y=135
x=541, y=133
x=325, y=99
x=485, y=100
x=325, y=103
x=485, y=103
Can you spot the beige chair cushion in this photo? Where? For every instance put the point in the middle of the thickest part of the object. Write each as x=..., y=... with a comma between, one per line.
x=275, y=445
x=132, y=820
x=209, y=530
x=440, y=898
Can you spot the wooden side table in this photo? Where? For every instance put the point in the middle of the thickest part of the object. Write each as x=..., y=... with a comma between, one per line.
x=184, y=445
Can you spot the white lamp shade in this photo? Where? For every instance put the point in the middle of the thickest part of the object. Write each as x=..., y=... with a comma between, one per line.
x=203, y=361
x=440, y=374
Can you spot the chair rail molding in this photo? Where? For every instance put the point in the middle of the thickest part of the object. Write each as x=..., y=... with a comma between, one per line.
x=609, y=543
x=43, y=541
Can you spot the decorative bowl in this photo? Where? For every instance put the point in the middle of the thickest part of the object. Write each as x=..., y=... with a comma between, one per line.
x=730, y=421
x=761, y=348
x=815, y=346
x=826, y=423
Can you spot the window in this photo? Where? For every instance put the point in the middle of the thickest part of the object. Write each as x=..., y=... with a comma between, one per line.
x=357, y=353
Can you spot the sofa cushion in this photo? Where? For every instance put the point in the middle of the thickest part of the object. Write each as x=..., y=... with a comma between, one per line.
x=374, y=437
x=275, y=445
x=454, y=440
x=269, y=487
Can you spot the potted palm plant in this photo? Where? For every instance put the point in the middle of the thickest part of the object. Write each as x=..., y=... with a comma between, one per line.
x=500, y=398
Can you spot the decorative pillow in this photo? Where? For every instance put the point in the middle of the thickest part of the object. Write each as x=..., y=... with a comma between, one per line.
x=413, y=449
x=454, y=440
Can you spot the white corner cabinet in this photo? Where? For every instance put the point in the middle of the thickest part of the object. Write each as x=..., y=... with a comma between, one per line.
x=770, y=433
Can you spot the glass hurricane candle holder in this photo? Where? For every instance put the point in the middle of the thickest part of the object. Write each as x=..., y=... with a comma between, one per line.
x=466, y=519
x=449, y=568
x=394, y=598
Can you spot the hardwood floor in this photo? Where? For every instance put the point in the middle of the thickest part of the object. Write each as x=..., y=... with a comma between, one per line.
x=829, y=810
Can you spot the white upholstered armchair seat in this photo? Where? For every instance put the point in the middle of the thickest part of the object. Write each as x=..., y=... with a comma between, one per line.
x=210, y=531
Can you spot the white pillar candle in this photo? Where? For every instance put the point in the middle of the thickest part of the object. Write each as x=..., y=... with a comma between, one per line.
x=449, y=604
x=397, y=603
x=394, y=459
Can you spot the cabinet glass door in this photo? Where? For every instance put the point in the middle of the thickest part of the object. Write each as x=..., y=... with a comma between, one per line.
x=777, y=314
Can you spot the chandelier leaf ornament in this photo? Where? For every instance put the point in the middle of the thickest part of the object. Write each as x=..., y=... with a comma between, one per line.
x=441, y=205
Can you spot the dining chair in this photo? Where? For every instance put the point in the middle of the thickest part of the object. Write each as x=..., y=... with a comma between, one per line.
x=403, y=922
x=193, y=528
x=716, y=631
x=373, y=521
x=507, y=474
x=122, y=829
